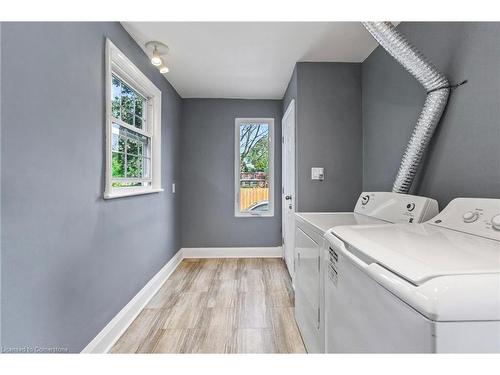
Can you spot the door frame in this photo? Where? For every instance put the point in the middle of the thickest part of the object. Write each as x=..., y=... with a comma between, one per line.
x=291, y=107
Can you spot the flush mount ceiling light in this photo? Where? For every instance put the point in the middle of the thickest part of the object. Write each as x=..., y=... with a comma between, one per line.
x=158, y=49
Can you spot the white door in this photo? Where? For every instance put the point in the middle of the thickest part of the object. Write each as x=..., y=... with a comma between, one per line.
x=288, y=181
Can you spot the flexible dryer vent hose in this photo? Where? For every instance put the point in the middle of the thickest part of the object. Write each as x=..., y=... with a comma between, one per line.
x=438, y=90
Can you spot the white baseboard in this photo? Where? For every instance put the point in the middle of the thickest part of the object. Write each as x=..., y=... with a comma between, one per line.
x=232, y=252
x=105, y=339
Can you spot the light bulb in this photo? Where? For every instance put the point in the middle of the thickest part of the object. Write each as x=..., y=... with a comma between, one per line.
x=156, y=59
x=164, y=69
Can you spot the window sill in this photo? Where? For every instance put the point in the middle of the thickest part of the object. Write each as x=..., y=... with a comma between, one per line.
x=243, y=215
x=130, y=193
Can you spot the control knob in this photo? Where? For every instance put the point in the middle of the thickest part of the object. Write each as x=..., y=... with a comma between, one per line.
x=495, y=222
x=365, y=199
x=470, y=217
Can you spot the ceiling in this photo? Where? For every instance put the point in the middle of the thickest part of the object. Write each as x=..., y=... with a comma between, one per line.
x=252, y=60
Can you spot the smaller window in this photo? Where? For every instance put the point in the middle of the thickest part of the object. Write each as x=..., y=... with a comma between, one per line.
x=133, y=128
x=254, y=163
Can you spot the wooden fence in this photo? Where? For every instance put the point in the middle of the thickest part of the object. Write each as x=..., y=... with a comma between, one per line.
x=249, y=196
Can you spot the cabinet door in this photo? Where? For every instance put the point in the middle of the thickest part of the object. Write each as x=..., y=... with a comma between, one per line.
x=307, y=289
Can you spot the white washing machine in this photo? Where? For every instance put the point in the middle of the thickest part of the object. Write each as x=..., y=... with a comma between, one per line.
x=425, y=288
x=371, y=208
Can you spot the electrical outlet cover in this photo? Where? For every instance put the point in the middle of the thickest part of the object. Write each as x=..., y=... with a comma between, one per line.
x=318, y=173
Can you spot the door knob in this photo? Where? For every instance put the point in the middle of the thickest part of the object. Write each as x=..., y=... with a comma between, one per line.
x=288, y=197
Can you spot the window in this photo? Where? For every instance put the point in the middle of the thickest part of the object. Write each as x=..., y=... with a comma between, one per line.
x=254, y=162
x=133, y=128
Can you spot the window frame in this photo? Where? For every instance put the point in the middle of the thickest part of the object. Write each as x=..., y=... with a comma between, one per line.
x=237, y=211
x=119, y=65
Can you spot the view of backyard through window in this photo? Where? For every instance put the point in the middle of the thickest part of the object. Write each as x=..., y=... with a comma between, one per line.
x=130, y=146
x=254, y=167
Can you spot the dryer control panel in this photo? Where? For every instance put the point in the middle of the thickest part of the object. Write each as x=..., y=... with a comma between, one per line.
x=395, y=207
x=476, y=216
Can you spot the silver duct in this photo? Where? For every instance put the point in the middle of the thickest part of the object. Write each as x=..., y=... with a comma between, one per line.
x=438, y=90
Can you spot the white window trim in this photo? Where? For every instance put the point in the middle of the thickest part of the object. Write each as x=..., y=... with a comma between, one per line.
x=117, y=62
x=237, y=212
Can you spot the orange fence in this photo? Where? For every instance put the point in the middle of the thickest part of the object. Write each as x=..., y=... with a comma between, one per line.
x=249, y=196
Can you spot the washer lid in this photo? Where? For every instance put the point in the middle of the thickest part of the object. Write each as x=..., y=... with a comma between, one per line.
x=421, y=252
x=326, y=220
x=443, y=274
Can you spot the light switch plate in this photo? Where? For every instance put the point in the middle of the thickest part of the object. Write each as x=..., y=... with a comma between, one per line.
x=317, y=173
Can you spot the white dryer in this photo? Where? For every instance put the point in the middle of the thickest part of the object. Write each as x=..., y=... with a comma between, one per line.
x=431, y=287
x=371, y=208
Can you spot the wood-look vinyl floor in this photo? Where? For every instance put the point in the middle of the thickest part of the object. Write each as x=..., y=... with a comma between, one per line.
x=234, y=305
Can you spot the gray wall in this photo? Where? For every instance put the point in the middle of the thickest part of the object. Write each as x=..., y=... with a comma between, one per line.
x=207, y=182
x=464, y=157
x=70, y=260
x=328, y=134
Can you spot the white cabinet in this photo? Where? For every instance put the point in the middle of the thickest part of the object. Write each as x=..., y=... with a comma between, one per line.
x=308, y=286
